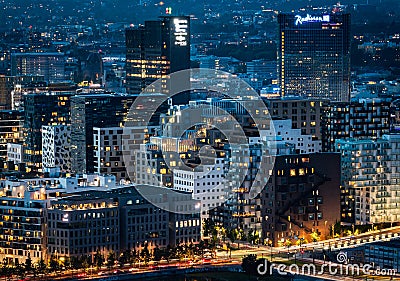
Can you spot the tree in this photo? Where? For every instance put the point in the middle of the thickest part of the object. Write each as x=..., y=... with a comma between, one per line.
x=200, y=248
x=53, y=264
x=98, y=259
x=249, y=263
x=223, y=233
x=336, y=230
x=157, y=253
x=125, y=257
x=233, y=235
x=6, y=270
x=315, y=237
x=169, y=253
x=111, y=258
x=251, y=237
x=19, y=270
x=145, y=255
x=67, y=263
x=242, y=235
x=28, y=264
x=301, y=241
x=42, y=267
x=190, y=250
x=134, y=256
x=75, y=263
x=85, y=261
x=208, y=227
x=179, y=252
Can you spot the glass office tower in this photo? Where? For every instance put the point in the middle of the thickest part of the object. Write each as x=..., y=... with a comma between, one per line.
x=154, y=50
x=314, y=55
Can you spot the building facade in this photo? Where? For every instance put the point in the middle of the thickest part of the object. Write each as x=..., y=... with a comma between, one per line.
x=301, y=197
x=83, y=226
x=156, y=49
x=385, y=255
x=11, y=123
x=306, y=114
x=314, y=55
x=206, y=185
x=47, y=108
x=56, y=147
x=358, y=119
x=370, y=180
x=50, y=65
x=89, y=111
x=8, y=99
x=303, y=143
x=23, y=222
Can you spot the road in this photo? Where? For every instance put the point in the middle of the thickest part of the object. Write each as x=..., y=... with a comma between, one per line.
x=280, y=255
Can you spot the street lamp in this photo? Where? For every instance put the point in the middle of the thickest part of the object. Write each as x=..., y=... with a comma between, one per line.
x=326, y=231
x=288, y=246
x=313, y=254
x=270, y=247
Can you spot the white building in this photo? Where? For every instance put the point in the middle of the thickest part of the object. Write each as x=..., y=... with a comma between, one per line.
x=304, y=143
x=207, y=185
x=15, y=152
x=56, y=147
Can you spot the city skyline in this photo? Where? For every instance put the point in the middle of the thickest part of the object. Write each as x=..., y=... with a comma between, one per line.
x=204, y=136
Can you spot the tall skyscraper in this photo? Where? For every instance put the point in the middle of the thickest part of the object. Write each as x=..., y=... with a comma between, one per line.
x=154, y=50
x=314, y=55
x=43, y=109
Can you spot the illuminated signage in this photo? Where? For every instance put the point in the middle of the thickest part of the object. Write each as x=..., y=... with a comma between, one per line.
x=308, y=18
x=181, y=31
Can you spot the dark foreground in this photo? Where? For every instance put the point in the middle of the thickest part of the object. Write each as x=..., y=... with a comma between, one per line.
x=223, y=276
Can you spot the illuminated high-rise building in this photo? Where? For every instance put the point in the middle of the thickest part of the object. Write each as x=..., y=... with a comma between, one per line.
x=43, y=109
x=156, y=49
x=10, y=130
x=314, y=55
x=49, y=65
x=101, y=110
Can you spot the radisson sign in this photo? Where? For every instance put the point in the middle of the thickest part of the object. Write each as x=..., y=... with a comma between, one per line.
x=309, y=18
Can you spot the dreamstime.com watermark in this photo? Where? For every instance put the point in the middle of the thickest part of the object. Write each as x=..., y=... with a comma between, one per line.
x=336, y=269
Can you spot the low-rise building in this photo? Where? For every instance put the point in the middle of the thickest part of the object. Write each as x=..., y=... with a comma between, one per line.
x=83, y=224
x=23, y=220
x=385, y=255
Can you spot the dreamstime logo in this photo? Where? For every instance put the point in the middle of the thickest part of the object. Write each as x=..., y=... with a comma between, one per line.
x=329, y=268
x=184, y=130
x=341, y=257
